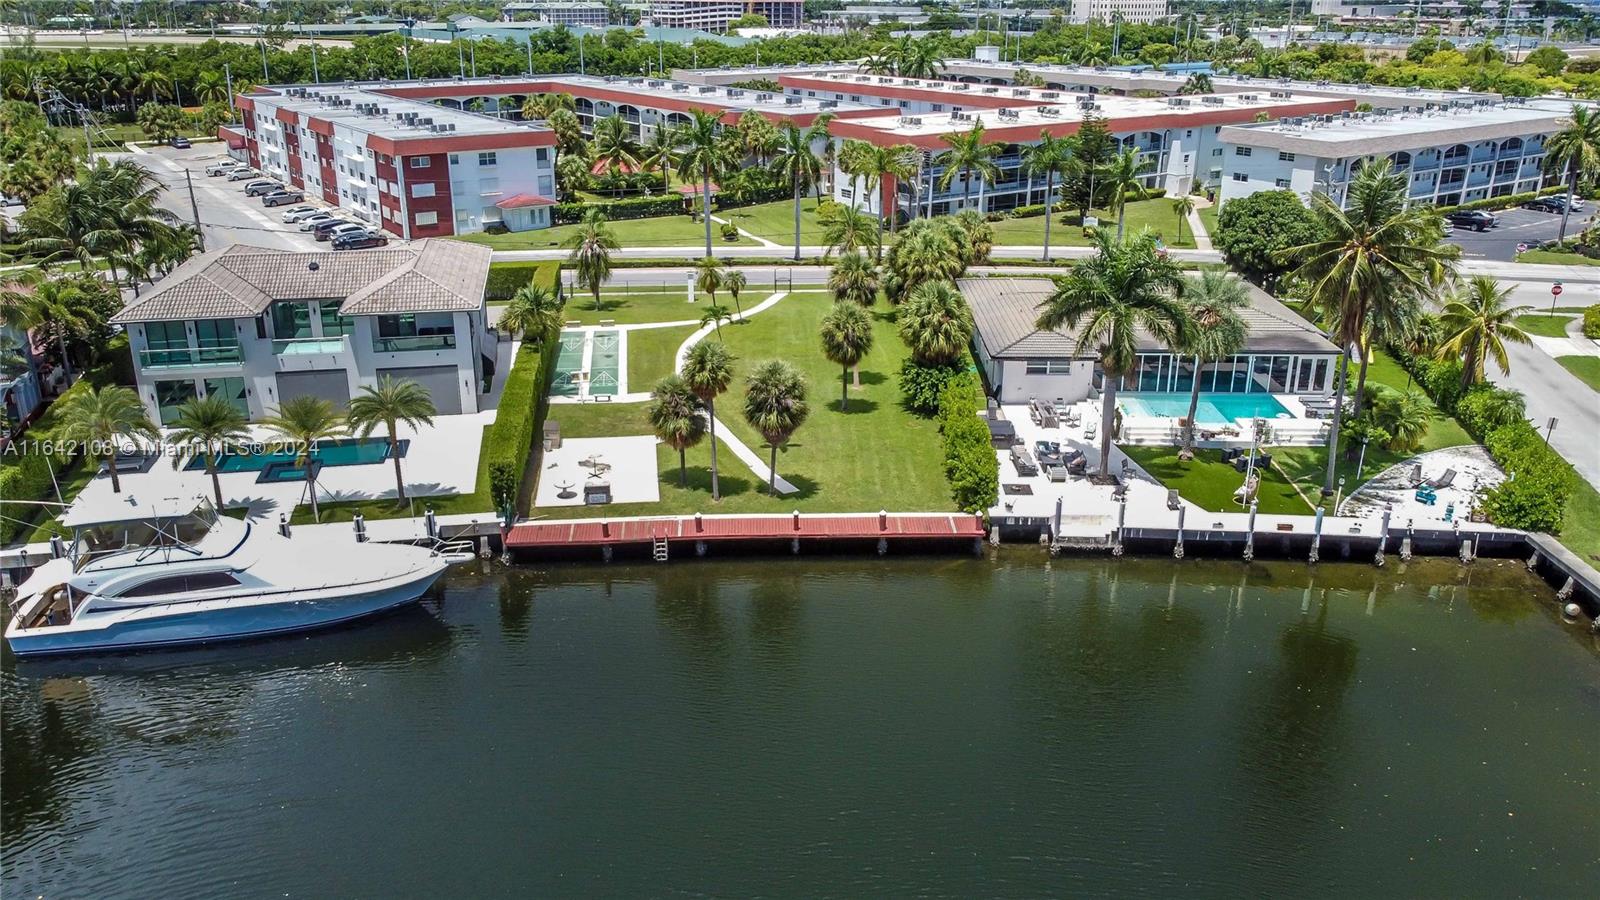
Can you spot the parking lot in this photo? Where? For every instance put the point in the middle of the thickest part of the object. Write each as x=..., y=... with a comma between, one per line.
x=227, y=216
x=1517, y=226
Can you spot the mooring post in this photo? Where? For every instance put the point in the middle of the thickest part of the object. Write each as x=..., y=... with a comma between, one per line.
x=883, y=546
x=283, y=524
x=1177, y=547
x=699, y=524
x=1383, y=537
x=883, y=520
x=1122, y=517
x=1405, y=543
x=605, y=552
x=1316, y=536
x=1465, y=545
x=58, y=547
x=794, y=546
x=360, y=523
x=797, y=520
x=1055, y=525
x=1565, y=592
x=1250, y=533
x=430, y=522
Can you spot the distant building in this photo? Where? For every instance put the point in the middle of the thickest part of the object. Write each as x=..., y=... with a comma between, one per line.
x=714, y=15
x=1144, y=11
x=556, y=12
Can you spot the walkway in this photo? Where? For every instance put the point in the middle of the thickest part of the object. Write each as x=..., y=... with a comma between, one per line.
x=1202, y=240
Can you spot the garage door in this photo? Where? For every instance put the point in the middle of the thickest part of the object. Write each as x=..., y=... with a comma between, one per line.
x=333, y=386
x=438, y=381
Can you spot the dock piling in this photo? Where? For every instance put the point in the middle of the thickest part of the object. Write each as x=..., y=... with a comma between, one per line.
x=1316, y=537
x=1383, y=537
x=1177, y=547
x=430, y=522
x=1250, y=533
x=1405, y=543
x=1122, y=516
x=283, y=524
x=360, y=523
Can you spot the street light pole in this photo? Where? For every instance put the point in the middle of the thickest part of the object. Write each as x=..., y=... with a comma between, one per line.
x=194, y=209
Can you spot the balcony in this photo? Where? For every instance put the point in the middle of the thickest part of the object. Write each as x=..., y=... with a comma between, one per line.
x=308, y=346
x=414, y=342
x=191, y=358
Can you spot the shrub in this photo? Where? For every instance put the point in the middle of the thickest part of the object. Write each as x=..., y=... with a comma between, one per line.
x=1253, y=232
x=618, y=210
x=730, y=231
x=921, y=385
x=521, y=411
x=1485, y=408
x=1028, y=212
x=969, y=460
x=1591, y=322
x=506, y=278
x=1538, y=483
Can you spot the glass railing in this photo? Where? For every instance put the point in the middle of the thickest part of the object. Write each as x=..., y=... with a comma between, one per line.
x=304, y=346
x=187, y=357
x=414, y=342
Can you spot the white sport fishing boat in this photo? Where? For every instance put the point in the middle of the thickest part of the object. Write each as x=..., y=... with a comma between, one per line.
x=174, y=573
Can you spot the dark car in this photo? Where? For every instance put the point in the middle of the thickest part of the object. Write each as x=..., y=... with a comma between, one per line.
x=1476, y=219
x=321, y=231
x=180, y=143
x=279, y=198
x=360, y=241
x=1546, y=204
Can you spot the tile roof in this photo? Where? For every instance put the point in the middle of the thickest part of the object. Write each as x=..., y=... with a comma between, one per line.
x=1004, y=311
x=517, y=201
x=241, y=281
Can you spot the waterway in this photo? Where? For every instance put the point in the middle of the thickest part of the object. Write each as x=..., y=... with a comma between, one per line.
x=838, y=727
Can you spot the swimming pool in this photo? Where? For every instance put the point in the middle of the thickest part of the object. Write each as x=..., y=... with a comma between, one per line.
x=347, y=452
x=1214, y=409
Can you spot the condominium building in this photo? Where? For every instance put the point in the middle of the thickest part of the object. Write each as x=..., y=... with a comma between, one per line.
x=714, y=15
x=259, y=326
x=557, y=12
x=1143, y=11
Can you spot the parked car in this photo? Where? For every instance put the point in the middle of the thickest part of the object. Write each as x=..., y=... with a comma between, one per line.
x=282, y=198
x=261, y=187
x=346, y=228
x=296, y=213
x=180, y=143
x=1475, y=219
x=310, y=222
x=1546, y=204
x=223, y=168
x=361, y=241
x=1577, y=203
x=240, y=173
x=322, y=229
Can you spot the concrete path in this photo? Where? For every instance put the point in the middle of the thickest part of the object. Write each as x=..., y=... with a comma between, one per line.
x=1202, y=240
x=1551, y=390
x=754, y=237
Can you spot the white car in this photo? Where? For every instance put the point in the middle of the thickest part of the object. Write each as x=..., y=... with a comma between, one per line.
x=347, y=228
x=241, y=173
x=296, y=213
x=222, y=168
x=315, y=219
x=1576, y=203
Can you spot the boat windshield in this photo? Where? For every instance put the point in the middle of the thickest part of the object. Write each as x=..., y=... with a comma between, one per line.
x=144, y=536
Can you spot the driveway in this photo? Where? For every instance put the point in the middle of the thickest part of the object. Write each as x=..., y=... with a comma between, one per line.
x=1517, y=226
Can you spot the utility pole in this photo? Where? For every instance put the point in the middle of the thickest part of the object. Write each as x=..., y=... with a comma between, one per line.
x=316, y=75
x=194, y=209
x=227, y=72
x=530, y=53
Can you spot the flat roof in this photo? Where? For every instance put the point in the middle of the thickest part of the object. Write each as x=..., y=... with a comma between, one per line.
x=339, y=104
x=649, y=89
x=1362, y=134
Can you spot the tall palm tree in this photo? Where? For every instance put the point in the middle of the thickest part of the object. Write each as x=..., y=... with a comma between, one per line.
x=301, y=422
x=704, y=154
x=797, y=165
x=881, y=164
x=1122, y=176
x=1376, y=252
x=389, y=404
x=49, y=304
x=211, y=87
x=1575, y=148
x=1478, y=322
x=855, y=278
x=708, y=277
x=675, y=416
x=846, y=339
x=936, y=323
x=1217, y=331
x=535, y=312
x=775, y=406
x=100, y=419
x=591, y=245
x=708, y=370
x=540, y=106
x=734, y=282
x=614, y=146
x=209, y=426
x=967, y=154
x=1181, y=207
x=1109, y=299
x=852, y=162
x=847, y=228
x=658, y=152
x=757, y=136
x=1047, y=158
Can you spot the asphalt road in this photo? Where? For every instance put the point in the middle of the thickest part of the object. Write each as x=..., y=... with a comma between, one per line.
x=1517, y=226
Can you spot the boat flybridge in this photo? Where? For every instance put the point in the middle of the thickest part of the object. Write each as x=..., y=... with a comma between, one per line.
x=174, y=572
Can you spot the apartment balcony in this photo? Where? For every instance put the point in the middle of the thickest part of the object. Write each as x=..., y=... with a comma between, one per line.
x=192, y=358
x=1482, y=155
x=304, y=354
x=1478, y=179
x=1425, y=163
x=413, y=342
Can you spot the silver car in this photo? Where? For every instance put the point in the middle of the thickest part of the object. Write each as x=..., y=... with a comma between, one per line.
x=296, y=213
x=315, y=219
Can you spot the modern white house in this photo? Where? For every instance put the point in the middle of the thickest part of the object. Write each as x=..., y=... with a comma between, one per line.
x=259, y=326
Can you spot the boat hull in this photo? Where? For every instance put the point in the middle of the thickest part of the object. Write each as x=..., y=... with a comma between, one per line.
x=220, y=623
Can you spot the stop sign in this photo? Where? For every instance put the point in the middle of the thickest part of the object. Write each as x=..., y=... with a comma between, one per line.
x=1555, y=290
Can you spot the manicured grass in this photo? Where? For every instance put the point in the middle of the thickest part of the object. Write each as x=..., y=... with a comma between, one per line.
x=1580, y=527
x=1551, y=257
x=633, y=309
x=1208, y=218
x=1209, y=482
x=650, y=353
x=1587, y=368
x=1544, y=325
x=1157, y=214
x=775, y=221
x=661, y=231
x=447, y=505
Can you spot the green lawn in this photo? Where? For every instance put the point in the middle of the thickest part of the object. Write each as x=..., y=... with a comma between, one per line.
x=633, y=309
x=448, y=505
x=1580, y=527
x=1209, y=482
x=662, y=231
x=650, y=353
x=1208, y=218
x=1544, y=325
x=1157, y=214
x=1587, y=368
x=1551, y=257
x=775, y=221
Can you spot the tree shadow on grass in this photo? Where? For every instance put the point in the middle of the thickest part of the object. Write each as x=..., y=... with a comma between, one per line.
x=699, y=481
x=857, y=405
x=872, y=379
x=805, y=488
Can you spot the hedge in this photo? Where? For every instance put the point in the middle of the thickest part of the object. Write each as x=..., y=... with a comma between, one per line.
x=24, y=475
x=1505, y=202
x=617, y=210
x=1591, y=322
x=506, y=278
x=522, y=407
x=969, y=460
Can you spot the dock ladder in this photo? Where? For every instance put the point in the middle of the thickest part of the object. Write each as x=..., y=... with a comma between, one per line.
x=658, y=548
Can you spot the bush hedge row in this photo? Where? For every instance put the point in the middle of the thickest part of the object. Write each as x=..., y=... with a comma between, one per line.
x=617, y=210
x=1505, y=202
x=1591, y=322
x=506, y=278
x=25, y=475
x=522, y=407
x=969, y=460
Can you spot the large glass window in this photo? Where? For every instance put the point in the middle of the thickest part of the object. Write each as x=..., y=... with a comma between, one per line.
x=170, y=395
x=334, y=324
x=1278, y=381
x=291, y=320
x=217, y=341
x=229, y=389
x=1184, y=375
x=169, y=344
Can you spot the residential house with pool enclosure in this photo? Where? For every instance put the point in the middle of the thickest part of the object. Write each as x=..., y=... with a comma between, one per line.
x=259, y=326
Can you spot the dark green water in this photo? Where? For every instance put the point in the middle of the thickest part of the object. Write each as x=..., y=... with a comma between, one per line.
x=838, y=727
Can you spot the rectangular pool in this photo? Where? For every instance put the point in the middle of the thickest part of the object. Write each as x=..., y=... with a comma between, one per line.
x=1214, y=409
x=348, y=452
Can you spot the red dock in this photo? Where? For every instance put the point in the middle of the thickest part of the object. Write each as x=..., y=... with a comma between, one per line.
x=816, y=527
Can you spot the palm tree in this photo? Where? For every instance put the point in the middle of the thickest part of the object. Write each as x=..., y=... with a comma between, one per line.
x=614, y=146
x=535, y=312
x=714, y=316
x=708, y=370
x=757, y=136
x=734, y=282
x=1217, y=331
x=1122, y=176
x=1047, y=157
x=847, y=228
x=99, y=419
x=209, y=426
x=658, y=153
x=706, y=155
x=775, y=406
x=936, y=323
x=967, y=154
x=591, y=245
x=301, y=422
x=51, y=305
x=389, y=404
x=709, y=278
x=1197, y=83
x=846, y=338
x=675, y=416
x=1478, y=323
x=1577, y=149
x=211, y=87
x=540, y=106
x=852, y=162
x=1374, y=253
x=928, y=250
x=1182, y=207
x=797, y=165
x=855, y=278
x=1111, y=299
x=881, y=164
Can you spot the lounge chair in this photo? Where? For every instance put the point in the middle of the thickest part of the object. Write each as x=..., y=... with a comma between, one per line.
x=1023, y=461
x=1172, y=499
x=1443, y=481
x=1090, y=430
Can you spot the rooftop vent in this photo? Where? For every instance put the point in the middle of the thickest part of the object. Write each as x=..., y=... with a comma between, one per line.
x=791, y=101
x=313, y=265
x=1009, y=115
x=1050, y=111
